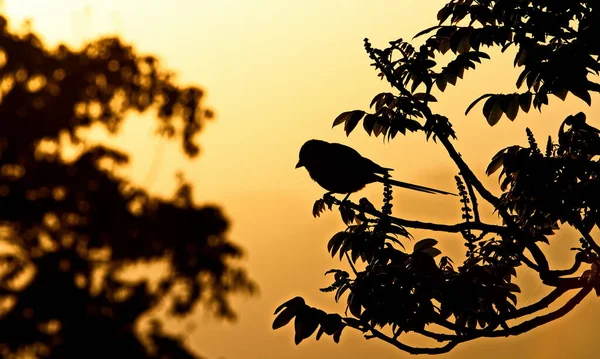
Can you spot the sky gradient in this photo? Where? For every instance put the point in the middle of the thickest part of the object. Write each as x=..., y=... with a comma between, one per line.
x=277, y=73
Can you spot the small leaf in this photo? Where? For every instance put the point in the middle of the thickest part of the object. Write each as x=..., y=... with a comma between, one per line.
x=444, y=13
x=497, y=162
x=343, y=117
x=582, y=94
x=354, y=305
x=562, y=94
x=477, y=101
x=424, y=244
x=341, y=290
x=376, y=99
x=336, y=241
x=292, y=303
x=512, y=287
x=320, y=333
x=423, y=96
x=427, y=30
x=338, y=334
x=441, y=83
x=525, y=101
x=305, y=324
x=513, y=108
x=432, y=251
x=369, y=123
x=495, y=114
x=352, y=121
x=398, y=230
x=284, y=318
x=331, y=323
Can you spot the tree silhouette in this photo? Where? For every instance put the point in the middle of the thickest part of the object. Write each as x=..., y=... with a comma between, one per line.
x=391, y=291
x=71, y=229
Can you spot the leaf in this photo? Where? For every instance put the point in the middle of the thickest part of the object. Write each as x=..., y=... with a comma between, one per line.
x=582, y=94
x=284, y=318
x=369, y=122
x=444, y=13
x=320, y=333
x=398, y=230
x=432, y=251
x=305, y=324
x=292, y=303
x=512, y=287
x=331, y=323
x=521, y=57
x=421, y=33
x=347, y=214
x=513, y=108
x=424, y=244
x=379, y=97
x=352, y=121
x=318, y=207
x=495, y=114
x=394, y=240
x=354, y=305
x=477, y=101
x=497, y=162
x=343, y=117
x=441, y=83
x=561, y=94
x=341, y=290
x=525, y=101
x=336, y=241
x=423, y=96
x=338, y=334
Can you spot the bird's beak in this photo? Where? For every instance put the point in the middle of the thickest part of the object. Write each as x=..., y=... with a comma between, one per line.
x=298, y=165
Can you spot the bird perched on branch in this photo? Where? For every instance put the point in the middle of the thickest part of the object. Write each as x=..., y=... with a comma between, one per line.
x=341, y=169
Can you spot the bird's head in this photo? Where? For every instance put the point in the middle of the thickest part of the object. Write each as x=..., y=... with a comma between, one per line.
x=309, y=151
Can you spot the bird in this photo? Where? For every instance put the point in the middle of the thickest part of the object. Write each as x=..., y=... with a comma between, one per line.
x=341, y=169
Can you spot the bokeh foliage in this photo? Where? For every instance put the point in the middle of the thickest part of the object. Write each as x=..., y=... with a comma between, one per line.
x=71, y=228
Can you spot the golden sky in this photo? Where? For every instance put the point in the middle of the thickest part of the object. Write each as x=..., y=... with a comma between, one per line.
x=277, y=73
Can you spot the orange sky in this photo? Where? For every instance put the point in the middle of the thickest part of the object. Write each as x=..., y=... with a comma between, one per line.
x=277, y=73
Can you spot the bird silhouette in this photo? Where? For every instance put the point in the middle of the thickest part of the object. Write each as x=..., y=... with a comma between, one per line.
x=341, y=169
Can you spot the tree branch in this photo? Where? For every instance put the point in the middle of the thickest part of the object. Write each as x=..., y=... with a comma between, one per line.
x=449, y=228
x=407, y=348
x=541, y=320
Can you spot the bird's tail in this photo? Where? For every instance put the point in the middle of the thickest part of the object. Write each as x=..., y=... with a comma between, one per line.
x=414, y=187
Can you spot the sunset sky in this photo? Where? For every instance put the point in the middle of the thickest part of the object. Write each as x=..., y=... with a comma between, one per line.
x=277, y=73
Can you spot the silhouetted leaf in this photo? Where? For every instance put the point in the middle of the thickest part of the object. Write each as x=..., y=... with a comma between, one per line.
x=513, y=108
x=477, y=101
x=422, y=96
x=352, y=121
x=525, y=101
x=284, y=317
x=424, y=244
x=336, y=242
x=369, y=122
x=354, y=305
x=432, y=251
x=338, y=334
x=293, y=303
x=582, y=94
x=305, y=324
x=495, y=113
x=343, y=117
x=511, y=287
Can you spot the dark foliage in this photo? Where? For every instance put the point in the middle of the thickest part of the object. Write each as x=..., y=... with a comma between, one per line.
x=70, y=228
x=544, y=189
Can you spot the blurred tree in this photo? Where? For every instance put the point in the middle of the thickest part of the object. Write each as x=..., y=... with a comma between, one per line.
x=391, y=291
x=71, y=230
